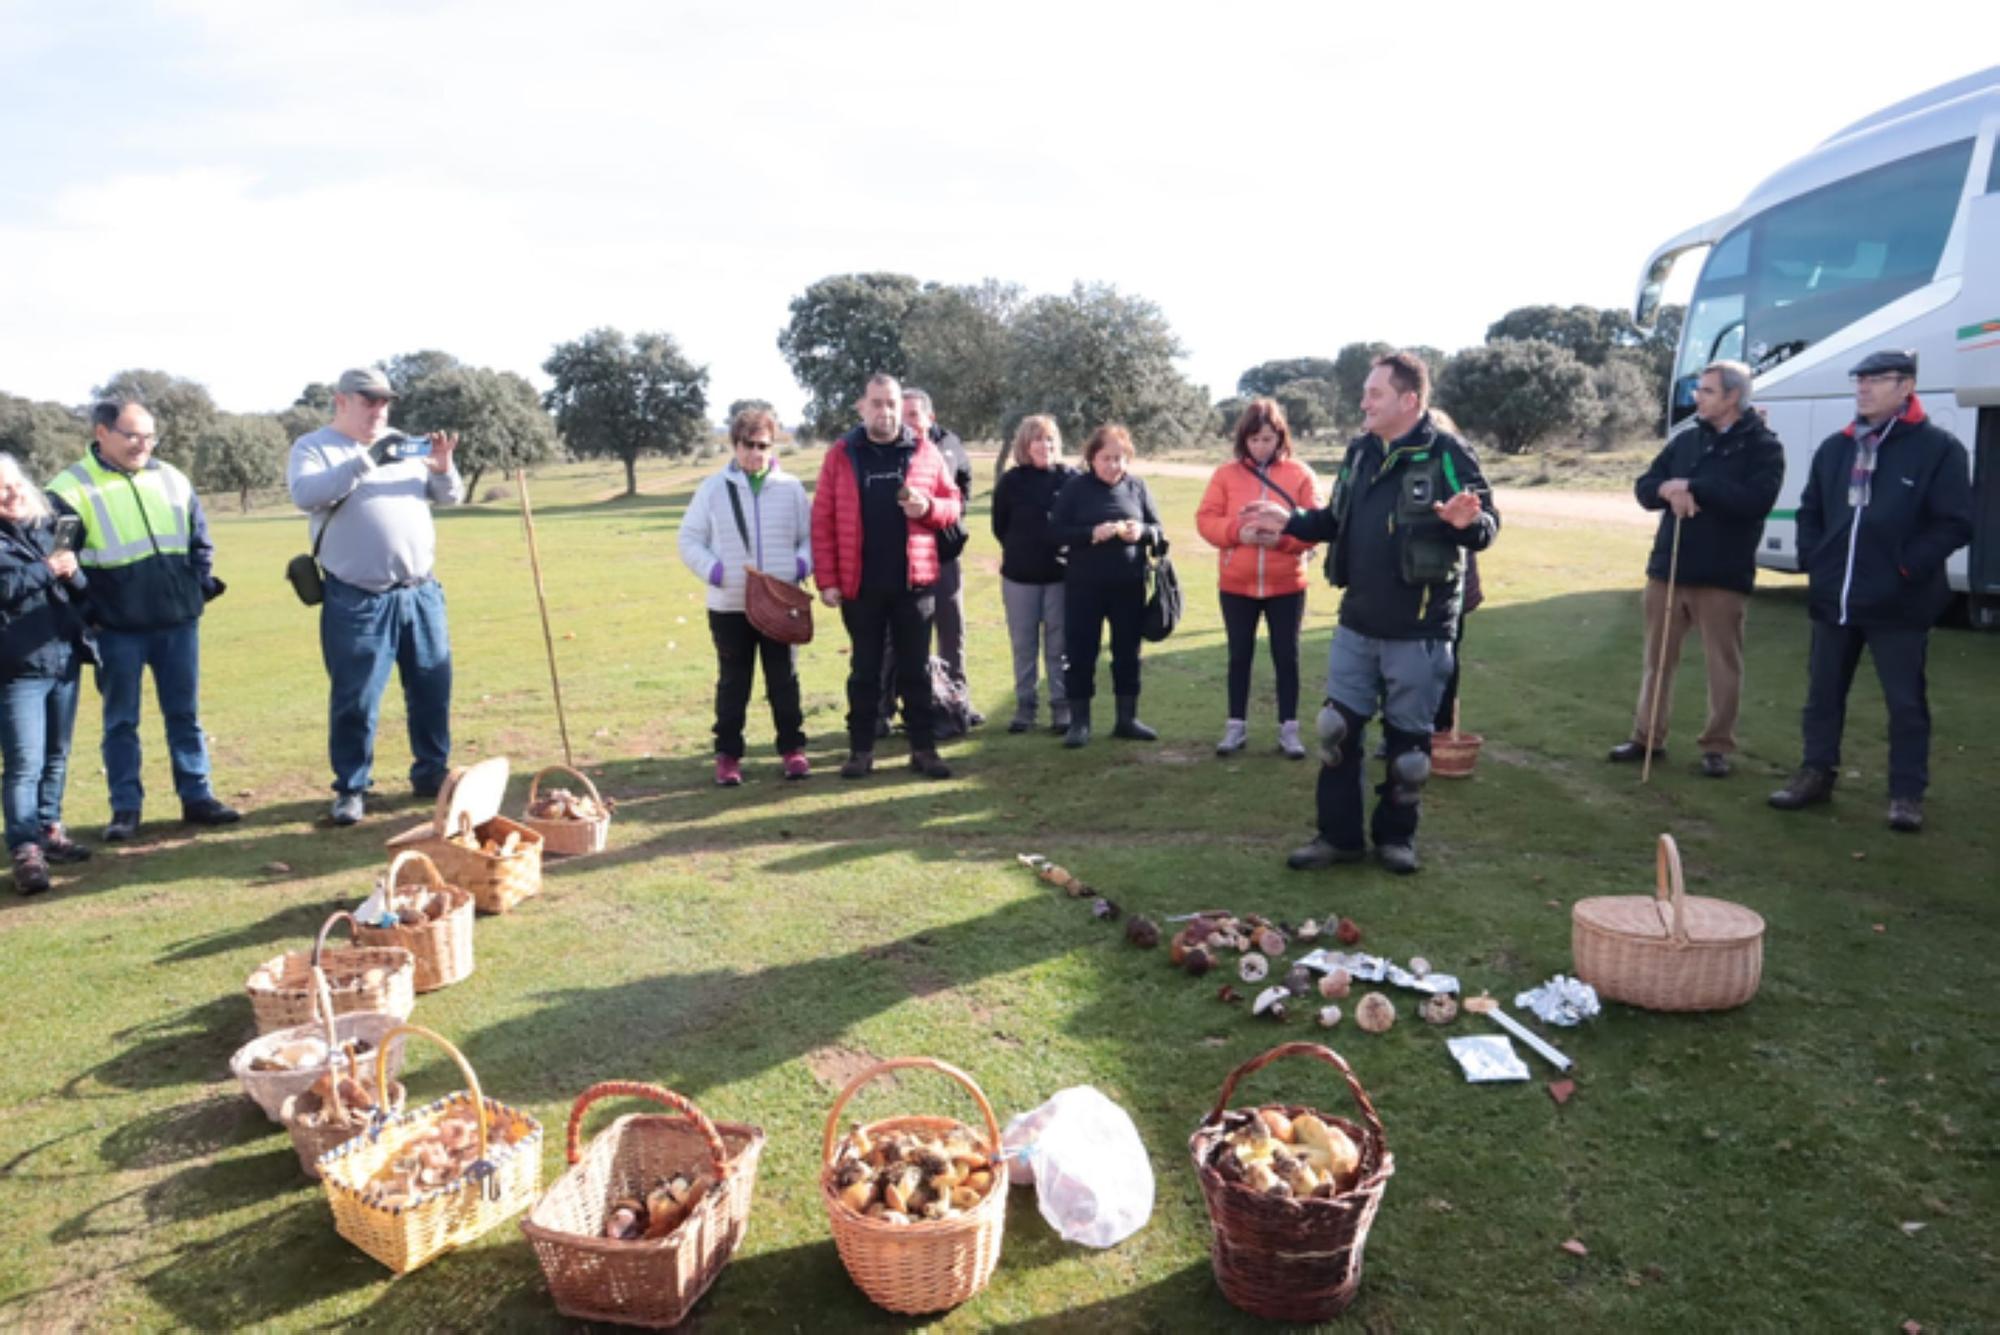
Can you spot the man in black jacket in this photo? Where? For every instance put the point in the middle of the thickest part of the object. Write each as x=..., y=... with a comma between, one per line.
x=1888, y=500
x=1716, y=481
x=1408, y=503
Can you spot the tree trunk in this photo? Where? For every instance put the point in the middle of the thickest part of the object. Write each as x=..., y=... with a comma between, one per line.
x=472, y=485
x=243, y=500
x=632, y=474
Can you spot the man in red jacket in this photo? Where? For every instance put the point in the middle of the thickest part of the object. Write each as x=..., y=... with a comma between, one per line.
x=882, y=496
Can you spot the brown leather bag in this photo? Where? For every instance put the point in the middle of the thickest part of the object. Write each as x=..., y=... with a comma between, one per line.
x=777, y=610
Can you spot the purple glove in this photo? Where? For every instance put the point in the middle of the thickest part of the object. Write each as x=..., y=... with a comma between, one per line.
x=800, y=577
x=715, y=574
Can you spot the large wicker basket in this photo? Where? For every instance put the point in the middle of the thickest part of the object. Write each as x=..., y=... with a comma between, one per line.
x=1284, y=1259
x=469, y=800
x=442, y=947
x=931, y=1265
x=310, y=1142
x=270, y=1089
x=453, y=1215
x=652, y=1282
x=1669, y=951
x=361, y=978
x=562, y=837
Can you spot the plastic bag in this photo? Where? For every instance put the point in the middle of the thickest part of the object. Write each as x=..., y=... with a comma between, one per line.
x=1093, y=1181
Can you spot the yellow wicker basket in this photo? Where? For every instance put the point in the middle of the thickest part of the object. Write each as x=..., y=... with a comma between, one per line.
x=442, y=947
x=1670, y=951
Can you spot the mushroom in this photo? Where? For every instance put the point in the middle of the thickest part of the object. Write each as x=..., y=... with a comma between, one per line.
x=1439, y=1008
x=1252, y=968
x=1103, y=909
x=1329, y=1016
x=1228, y=994
x=1419, y=965
x=1197, y=961
x=1347, y=933
x=1299, y=980
x=1270, y=940
x=1375, y=1013
x=1333, y=986
x=1271, y=1003
x=1275, y=1121
x=1142, y=931
x=1309, y=930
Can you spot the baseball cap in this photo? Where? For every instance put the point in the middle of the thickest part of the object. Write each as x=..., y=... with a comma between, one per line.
x=365, y=380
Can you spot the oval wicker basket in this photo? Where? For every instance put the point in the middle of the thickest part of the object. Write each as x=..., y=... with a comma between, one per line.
x=1284, y=1259
x=1670, y=951
x=469, y=801
x=934, y=1264
x=650, y=1281
x=361, y=978
x=270, y=1089
x=564, y=837
x=310, y=1142
x=441, y=946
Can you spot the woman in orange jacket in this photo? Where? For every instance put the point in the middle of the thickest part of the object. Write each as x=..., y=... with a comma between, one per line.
x=1263, y=573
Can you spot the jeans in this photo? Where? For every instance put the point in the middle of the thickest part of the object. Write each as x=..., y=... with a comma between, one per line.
x=1899, y=653
x=1035, y=626
x=35, y=725
x=175, y=657
x=906, y=617
x=1405, y=677
x=1283, y=615
x=1087, y=606
x=737, y=649
x=362, y=635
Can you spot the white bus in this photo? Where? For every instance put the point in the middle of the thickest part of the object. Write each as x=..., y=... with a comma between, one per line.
x=1885, y=236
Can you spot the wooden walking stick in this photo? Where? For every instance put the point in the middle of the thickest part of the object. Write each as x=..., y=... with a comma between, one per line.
x=542, y=600
x=1660, y=667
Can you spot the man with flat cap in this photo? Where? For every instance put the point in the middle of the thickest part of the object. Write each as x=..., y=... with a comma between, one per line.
x=1888, y=499
x=369, y=490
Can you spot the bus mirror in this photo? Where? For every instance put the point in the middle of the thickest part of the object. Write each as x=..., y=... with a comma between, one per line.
x=1648, y=306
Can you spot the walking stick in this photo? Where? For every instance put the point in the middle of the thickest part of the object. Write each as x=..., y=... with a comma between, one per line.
x=542, y=600
x=1660, y=667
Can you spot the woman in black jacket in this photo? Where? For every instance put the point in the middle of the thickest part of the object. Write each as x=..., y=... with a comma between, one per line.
x=1031, y=568
x=1105, y=518
x=42, y=648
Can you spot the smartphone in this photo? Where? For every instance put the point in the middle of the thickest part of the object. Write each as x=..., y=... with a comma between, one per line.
x=413, y=447
x=69, y=533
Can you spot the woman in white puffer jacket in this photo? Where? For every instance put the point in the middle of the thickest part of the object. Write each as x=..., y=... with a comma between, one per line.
x=774, y=534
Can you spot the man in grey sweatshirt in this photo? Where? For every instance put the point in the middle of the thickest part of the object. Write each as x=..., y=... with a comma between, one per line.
x=369, y=495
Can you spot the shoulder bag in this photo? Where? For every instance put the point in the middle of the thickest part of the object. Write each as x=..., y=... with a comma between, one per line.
x=777, y=610
x=1163, y=605
x=304, y=572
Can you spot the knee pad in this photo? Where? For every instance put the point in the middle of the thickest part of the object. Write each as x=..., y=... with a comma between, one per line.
x=1409, y=770
x=1335, y=726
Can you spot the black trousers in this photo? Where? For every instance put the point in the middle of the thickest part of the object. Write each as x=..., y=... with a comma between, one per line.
x=1340, y=800
x=1899, y=654
x=1449, y=700
x=1282, y=615
x=905, y=615
x=737, y=649
x=1087, y=606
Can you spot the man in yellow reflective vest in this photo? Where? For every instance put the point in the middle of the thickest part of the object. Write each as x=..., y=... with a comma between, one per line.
x=146, y=548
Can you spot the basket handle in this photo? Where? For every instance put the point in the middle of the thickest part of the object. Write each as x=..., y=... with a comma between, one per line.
x=319, y=942
x=718, y=1153
x=908, y=1063
x=464, y=1068
x=323, y=998
x=535, y=788
x=1325, y=1054
x=1670, y=887
x=396, y=866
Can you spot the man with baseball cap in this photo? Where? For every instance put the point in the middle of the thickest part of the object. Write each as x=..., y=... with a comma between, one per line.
x=1888, y=499
x=369, y=491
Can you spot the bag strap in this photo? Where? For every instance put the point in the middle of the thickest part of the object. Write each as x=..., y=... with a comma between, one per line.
x=1265, y=478
x=327, y=525
x=736, y=508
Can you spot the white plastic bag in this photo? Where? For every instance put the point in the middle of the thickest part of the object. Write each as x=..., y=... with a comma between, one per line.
x=1093, y=1181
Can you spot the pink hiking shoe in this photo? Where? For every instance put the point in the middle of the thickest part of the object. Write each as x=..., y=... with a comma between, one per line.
x=728, y=772
x=797, y=766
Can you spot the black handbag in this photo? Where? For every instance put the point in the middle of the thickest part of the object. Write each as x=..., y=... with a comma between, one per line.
x=304, y=572
x=951, y=540
x=1163, y=605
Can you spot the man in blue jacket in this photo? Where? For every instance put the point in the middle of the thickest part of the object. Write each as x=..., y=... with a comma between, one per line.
x=1889, y=499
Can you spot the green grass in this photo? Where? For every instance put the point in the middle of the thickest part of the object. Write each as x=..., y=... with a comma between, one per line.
x=1749, y=1170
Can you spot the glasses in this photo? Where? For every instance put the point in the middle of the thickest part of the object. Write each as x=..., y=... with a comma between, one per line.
x=135, y=437
x=378, y=400
x=753, y=444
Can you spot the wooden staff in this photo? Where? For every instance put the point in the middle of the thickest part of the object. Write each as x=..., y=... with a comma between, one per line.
x=542, y=601
x=1660, y=667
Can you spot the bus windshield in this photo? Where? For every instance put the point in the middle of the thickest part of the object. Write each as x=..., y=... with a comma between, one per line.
x=1803, y=269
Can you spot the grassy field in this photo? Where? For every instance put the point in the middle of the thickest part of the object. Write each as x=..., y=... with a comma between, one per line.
x=1822, y=1159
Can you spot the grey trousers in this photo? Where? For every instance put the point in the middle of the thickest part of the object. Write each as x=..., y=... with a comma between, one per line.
x=1035, y=623
x=950, y=593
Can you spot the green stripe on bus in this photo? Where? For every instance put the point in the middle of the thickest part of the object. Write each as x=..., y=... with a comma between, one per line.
x=1983, y=327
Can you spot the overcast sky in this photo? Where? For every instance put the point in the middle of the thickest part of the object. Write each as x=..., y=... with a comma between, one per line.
x=256, y=194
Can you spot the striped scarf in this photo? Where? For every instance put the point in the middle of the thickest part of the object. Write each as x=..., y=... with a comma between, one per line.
x=1867, y=448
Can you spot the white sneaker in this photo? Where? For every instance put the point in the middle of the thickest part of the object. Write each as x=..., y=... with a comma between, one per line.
x=1235, y=736
x=1288, y=740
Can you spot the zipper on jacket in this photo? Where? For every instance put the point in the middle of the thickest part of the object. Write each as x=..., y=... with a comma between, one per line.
x=1854, y=525
x=1260, y=573
x=1423, y=603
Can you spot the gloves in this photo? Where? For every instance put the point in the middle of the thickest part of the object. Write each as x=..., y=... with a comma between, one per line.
x=715, y=575
x=800, y=563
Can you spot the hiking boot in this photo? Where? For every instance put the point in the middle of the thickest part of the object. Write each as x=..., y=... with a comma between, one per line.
x=1059, y=718
x=1714, y=765
x=31, y=870
x=1398, y=858
x=348, y=808
x=124, y=825
x=57, y=846
x=1631, y=753
x=797, y=766
x=1079, y=725
x=1288, y=740
x=929, y=764
x=209, y=811
x=1235, y=736
x=1332, y=731
x=1128, y=725
x=860, y=764
x=1023, y=720
x=1322, y=853
x=1906, y=814
x=1809, y=786
x=728, y=772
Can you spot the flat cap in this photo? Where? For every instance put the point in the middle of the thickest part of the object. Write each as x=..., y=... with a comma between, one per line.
x=1887, y=363
x=365, y=380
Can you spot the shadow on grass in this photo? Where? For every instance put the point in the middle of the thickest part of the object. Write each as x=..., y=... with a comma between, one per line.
x=186, y=1048
x=187, y=1131
x=262, y=1271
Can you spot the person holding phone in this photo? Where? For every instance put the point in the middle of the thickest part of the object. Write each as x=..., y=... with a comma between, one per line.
x=43, y=646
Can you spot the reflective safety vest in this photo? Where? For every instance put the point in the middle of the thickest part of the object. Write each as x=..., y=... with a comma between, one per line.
x=127, y=517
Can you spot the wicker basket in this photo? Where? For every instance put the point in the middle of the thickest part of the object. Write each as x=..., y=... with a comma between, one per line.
x=1670, y=951
x=470, y=800
x=270, y=1089
x=310, y=1142
x=1455, y=754
x=442, y=947
x=408, y=1237
x=653, y=1282
x=1284, y=1259
x=362, y=978
x=930, y=1265
x=568, y=838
